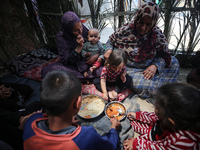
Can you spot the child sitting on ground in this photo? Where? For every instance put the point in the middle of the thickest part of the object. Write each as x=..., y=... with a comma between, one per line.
x=175, y=123
x=93, y=47
x=113, y=74
x=61, y=100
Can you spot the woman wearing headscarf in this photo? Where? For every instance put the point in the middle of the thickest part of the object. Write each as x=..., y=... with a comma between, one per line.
x=149, y=63
x=70, y=40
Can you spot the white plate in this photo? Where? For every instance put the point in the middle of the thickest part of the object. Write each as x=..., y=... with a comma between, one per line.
x=91, y=107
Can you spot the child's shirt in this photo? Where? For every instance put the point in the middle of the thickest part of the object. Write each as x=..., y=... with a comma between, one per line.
x=155, y=139
x=93, y=48
x=111, y=75
x=79, y=137
x=45, y=127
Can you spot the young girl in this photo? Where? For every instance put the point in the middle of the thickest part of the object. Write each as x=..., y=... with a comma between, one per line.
x=113, y=74
x=175, y=123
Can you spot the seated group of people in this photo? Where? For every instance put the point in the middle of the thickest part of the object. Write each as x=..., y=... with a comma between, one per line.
x=146, y=61
x=136, y=57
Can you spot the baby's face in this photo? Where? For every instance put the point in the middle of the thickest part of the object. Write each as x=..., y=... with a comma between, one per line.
x=93, y=36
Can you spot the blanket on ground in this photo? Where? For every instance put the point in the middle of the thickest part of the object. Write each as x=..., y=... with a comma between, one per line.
x=30, y=65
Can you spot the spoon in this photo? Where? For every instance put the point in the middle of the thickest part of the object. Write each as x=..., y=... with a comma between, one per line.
x=110, y=108
x=123, y=113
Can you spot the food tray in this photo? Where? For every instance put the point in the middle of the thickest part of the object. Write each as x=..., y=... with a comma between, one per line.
x=92, y=106
x=111, y=110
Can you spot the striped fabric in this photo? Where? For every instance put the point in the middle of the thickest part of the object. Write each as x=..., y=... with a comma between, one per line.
x=180, y=140
x=146, y=88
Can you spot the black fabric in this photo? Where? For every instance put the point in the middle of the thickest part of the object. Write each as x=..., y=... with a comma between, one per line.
x=120, y=86
x=194, y=76
x=20, y=94
x=5, y=146
x=11, y=117
x=195, y=60
x=9, y=129
x=156, y=131
x=10, y=123
x=35, y=85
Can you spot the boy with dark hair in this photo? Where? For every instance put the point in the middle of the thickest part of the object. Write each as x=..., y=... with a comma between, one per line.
x=61, y=100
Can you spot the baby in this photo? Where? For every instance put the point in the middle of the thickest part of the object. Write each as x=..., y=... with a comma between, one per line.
x=93, y=47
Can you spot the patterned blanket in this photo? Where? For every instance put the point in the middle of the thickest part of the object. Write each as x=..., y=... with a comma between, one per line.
x=30, y=65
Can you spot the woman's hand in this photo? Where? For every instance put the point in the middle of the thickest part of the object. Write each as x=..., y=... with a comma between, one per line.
x=128, y=144
x=92, y=59
x=149, y=72
x=80, y=41
x=107, y=53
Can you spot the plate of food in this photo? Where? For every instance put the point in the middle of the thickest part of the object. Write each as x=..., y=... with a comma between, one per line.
x=92, y=106
x=115, y=109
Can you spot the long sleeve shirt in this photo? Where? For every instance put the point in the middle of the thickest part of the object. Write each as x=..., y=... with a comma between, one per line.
x=168, y=140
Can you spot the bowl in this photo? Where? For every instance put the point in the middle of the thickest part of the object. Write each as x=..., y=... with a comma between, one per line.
x=92, y=106
x=111, y=110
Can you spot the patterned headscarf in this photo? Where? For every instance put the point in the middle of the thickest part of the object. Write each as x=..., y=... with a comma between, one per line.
x=148, y=9
x=142, y=47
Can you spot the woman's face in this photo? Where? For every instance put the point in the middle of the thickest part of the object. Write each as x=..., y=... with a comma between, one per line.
x=77, y=29
x=144, y=25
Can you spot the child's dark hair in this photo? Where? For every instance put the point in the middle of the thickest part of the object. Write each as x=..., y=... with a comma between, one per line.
x=116, y=58
x=181, y=103
x=58, y=90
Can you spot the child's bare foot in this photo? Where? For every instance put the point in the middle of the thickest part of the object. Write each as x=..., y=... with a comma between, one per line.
x=86, y=74
x=115, y=95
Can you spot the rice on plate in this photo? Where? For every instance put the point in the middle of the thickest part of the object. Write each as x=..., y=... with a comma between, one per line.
x=91, y=106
